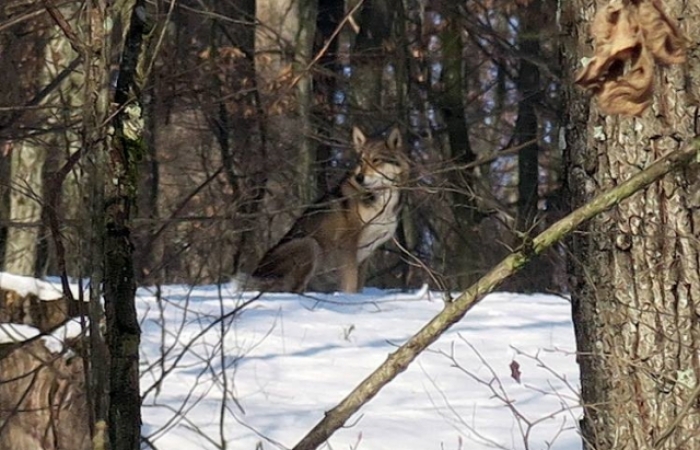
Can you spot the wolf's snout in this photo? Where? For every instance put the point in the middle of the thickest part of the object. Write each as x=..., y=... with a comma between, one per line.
x=360, y=178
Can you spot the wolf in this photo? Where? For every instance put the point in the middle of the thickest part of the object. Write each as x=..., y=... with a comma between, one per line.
x=328, y=244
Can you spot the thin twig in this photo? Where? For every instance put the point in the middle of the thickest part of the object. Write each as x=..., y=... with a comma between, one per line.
x=63, y=24
x=327, y=44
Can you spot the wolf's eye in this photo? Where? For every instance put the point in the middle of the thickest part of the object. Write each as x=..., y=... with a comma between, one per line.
x=380, y=161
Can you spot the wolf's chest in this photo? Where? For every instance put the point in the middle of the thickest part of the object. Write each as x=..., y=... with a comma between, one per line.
x=380, y=219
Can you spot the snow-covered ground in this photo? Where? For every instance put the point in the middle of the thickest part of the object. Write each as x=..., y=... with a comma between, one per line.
x=218, y=365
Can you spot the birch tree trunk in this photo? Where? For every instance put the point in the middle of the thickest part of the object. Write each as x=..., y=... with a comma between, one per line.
x=635, y=283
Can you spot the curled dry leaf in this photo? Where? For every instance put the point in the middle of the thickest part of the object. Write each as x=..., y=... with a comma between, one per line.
x=631, y=37
x=630, y=93
x=515, y=370
x=661, y=36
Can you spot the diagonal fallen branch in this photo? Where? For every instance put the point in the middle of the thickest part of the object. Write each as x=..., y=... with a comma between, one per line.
x=454, y=311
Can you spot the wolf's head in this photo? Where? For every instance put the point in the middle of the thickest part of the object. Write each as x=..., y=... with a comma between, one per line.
x=382, y=163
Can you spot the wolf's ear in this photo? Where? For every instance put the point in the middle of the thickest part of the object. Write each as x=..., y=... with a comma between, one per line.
x=393, y=140
x=358, y=139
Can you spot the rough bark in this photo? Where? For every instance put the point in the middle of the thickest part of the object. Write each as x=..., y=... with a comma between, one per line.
x=635, y=282
x=94, y=51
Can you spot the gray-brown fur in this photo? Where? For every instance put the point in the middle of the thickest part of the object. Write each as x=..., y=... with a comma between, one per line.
x=326, y=246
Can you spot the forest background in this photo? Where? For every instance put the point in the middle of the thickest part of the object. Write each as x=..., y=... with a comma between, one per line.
x=153, y=142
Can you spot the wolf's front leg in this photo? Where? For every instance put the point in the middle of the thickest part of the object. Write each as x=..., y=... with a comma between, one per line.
x=350, y=275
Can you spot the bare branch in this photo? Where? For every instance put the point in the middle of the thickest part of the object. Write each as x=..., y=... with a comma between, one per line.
x=63, y=24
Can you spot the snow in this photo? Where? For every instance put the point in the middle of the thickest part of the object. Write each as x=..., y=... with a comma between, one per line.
x=54, y=341
x=69, y=330
x=287, y=359
x=13, y=332
x=29, y=285
x=217, y=364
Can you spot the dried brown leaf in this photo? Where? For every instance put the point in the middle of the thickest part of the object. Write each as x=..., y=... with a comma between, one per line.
x=631, y=94
x=630, y=36
x=515, y=370
x=661, y=35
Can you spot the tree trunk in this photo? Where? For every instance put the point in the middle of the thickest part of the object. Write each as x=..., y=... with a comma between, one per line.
x=528, y=85
x=462, y=251
x=65, y=194
x=370, y=57
x=635, y=283
x=28, y=156
x=283, y=46
x=125, y=149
